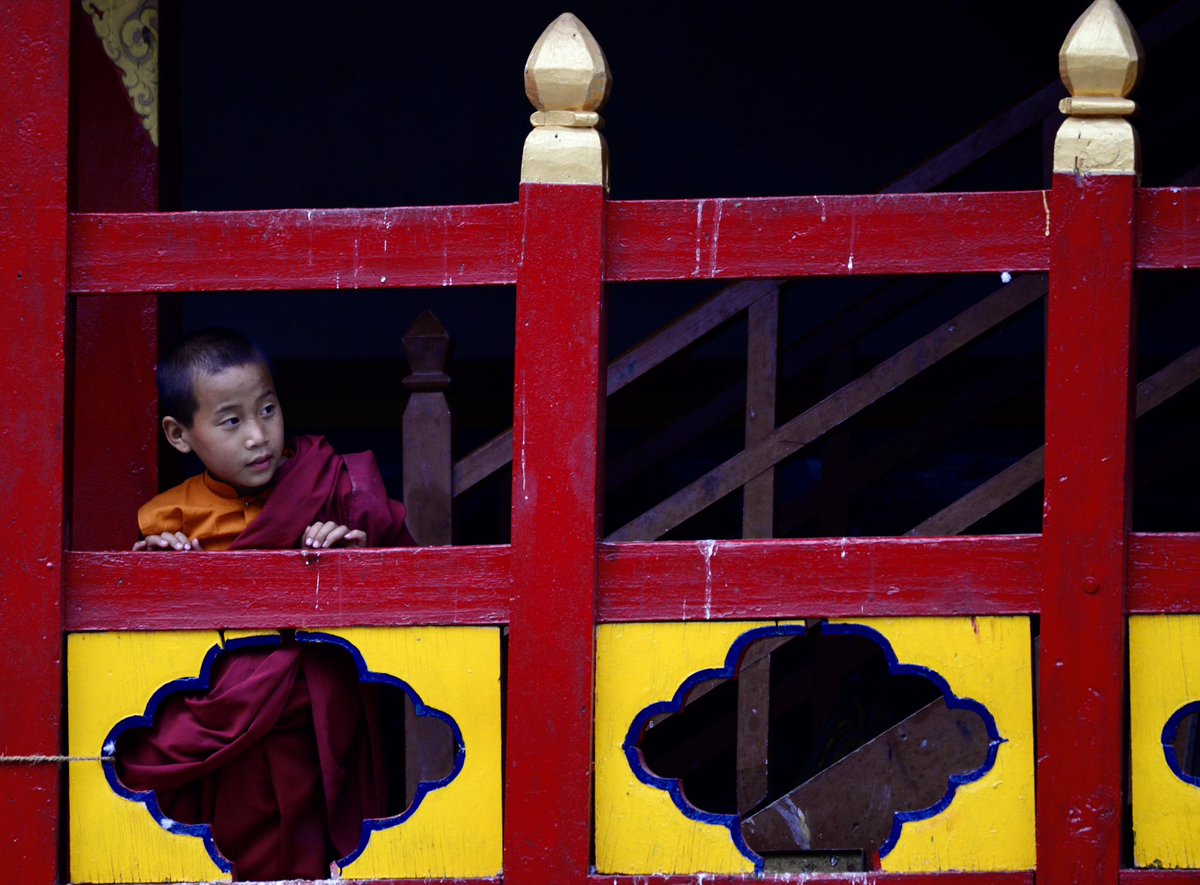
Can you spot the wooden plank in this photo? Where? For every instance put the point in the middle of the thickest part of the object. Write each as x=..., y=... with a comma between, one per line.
x=294, y=588
x=34, y=50
x=558, y=413
x=833, y=410
x=287, y=249
x=843, y=577
x=426, y=433
x=846, y=327
x=628, y=367
x=907, y=767
x=919, y=435
x=1089, y=418
x=1168, y=228
x=827, y=236
x=650, y=240
x=1028, y=472
x=762, y=370
x=114, y=446
x=1025, y=877
x=1164, y=573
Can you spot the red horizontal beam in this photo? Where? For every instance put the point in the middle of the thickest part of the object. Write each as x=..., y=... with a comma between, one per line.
x=685, y=581
x=955, y=878
x=318, y=249
x=1167, y=222
x=1164, y=574
x=828, y=236
x=1160, y=877
x=164, y=591
x=294, y=249
x=669, y=581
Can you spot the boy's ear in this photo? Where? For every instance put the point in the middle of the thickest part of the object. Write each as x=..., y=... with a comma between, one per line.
x=176, y=434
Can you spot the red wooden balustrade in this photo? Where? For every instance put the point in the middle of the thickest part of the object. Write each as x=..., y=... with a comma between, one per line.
x=557, y=580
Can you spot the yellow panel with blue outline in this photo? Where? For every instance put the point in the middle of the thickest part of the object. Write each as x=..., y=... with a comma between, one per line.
x=1164, y=699
x=117, y=681
x=646, y=826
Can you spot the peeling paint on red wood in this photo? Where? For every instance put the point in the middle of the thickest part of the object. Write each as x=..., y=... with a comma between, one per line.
x=1168, y=228
x=827, y=236
x=557, y=452
x=33, y=300
x=732, y=580
x=1160, y=877
x=114, y=168
x=294, y=249
x=1164, y=573
x=1019, y=878
x=1089, y=397
x=413, y=585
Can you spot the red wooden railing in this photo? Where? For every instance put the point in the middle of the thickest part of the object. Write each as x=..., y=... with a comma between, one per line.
x=560, y=244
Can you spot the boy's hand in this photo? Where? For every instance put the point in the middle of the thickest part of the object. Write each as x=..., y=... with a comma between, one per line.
x=168, y=541
x=330, y=534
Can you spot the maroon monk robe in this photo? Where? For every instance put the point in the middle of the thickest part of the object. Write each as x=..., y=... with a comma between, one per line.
x=317, y=483
x=283, y=755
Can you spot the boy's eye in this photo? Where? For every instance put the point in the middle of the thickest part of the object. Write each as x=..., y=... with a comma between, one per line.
x=230, y=422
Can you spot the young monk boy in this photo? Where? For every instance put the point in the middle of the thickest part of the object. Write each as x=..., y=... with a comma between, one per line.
x=218, y=399
x=283, y=754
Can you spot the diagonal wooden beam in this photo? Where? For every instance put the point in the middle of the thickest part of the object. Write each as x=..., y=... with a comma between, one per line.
x=834, y=409
x=631, y=365
x=1029, y=471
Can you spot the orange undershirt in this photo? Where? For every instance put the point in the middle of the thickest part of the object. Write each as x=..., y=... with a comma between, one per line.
x=201, y=507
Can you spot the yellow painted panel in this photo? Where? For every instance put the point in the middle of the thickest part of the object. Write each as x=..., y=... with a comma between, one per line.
x=989, y=825
x=111, y=676
x=457, y=832
x=639, y=830
x=1164, y=675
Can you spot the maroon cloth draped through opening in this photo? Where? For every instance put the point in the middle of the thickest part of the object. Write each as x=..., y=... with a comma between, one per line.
x=283, y=755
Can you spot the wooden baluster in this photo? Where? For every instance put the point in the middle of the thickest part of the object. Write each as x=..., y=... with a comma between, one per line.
x=762, y=367
x=1089, y=429
x=558, y=413
x=427, y=461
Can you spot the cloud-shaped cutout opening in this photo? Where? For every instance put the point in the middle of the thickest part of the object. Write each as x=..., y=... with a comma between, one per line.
x=828, y=750
x=1181, y=743
x=283, y=735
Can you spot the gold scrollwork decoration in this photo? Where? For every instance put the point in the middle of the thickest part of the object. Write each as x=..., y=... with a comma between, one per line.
x=128, y=29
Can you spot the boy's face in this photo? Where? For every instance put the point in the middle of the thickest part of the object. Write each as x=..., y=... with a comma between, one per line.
x=237, y=430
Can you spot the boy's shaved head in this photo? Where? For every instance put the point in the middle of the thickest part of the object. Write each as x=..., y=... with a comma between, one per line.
x=201, y=353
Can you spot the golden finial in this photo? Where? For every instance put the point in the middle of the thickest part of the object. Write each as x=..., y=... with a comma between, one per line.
x=1100, y=62
x=567, y=80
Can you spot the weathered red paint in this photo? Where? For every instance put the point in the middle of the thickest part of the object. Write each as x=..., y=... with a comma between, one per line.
x=33, y=302
x=413, y=585
x=114, y=168
x=827, y=236
x=558, y=412
x=1089, y=424
x=1021, y=878
x=1164, y=573
x=286, y=249
x=680, y=581
x=1168, y=228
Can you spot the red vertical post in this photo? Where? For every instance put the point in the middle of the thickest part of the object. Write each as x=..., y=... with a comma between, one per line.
x=33, y=302
x=560, y=370
x=1089, y=429
x=114, y=168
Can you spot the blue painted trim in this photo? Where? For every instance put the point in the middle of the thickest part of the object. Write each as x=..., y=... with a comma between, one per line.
x=953, y=702
x=1170, y=732
x=732, y=822
x=424, y=788
x=203, y=682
